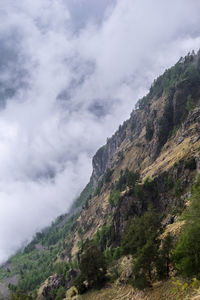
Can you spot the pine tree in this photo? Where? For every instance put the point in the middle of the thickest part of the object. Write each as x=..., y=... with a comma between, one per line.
x=93, y=266
x=187, y=252
x=164, y=258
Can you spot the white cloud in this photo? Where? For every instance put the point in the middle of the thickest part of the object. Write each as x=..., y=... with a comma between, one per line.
x=82, y=72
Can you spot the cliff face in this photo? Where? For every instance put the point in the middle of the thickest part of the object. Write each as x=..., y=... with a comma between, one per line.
x=172, y=162
x=159, y=113
x=161, y=143
x=158, y=140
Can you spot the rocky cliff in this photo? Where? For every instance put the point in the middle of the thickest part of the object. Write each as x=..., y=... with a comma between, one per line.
x=158, y=148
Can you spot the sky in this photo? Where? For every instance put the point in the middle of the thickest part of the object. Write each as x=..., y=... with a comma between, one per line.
x=70, y=72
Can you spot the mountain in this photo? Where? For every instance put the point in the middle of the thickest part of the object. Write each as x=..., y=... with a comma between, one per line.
x=150, y=163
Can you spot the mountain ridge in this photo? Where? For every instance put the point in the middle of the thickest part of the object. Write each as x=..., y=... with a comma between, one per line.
x=160, y=140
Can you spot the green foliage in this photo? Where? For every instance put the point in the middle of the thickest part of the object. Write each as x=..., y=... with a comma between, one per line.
x=190, y=163
x=173, y=132
x=170, y=79
x=108, y=175
x=127, y=179
x=102, y=236
x=120, y=155
x=84, y=196
x=80, y=231
x=146, y=192
x=61, y=268
x=191, y=73
x=112, y=254
x=165, y=123
x=143, y=102
x=114, y=197
x=106, y=179
x=141, y=240
x=133, y=124
x=170, y=182
x=98, y=189
x=187, y=252
x=145, y=263
x=164, y=257
x=33, y=266
x=60, y=294
x=139, y=230
x=177, y=188
x=20, y=295
x=79, y=283
x=117, y=253
x=148, y=184
x=149, y=131
x=108, y=255
x=140, y=281
x=138, y=191
x=180, y=288
x=92, y=267
x=190, y=103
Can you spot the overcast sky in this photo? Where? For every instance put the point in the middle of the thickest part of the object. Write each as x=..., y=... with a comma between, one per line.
x=70, y=73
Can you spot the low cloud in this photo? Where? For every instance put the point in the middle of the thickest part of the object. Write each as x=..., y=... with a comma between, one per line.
x=75, y=70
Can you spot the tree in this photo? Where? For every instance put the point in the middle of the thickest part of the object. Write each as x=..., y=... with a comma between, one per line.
x=149, y=131
x=20, y=295
x=93, y=266
x=146, y=261
x=114, y=197
x=141, y=240
x=164, y=257
x=139, y=230
x=190, y=103
x=60, y=294
x=187, y=252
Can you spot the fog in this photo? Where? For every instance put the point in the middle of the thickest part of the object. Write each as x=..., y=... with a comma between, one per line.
x=70, y=73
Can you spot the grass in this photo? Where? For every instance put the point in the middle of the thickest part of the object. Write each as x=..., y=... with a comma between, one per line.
x=161, y=290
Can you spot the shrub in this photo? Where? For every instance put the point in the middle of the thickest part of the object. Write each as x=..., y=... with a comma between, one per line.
x=108, y=175
x=187, y=252
x=19, y=295
x=93, y=266
x=164, y=257
x=149, y=131
x=98, y=189
x=144, y=264
x=60, y=294
x=139, y=230
x=177, y=188
x=120, y=155
x=102, y=236
x=117, y=253
x=165, y=123
x=127, y=178
x=61, y=268
x=108, y=255
x=173, y=132
x=190, y=163
x=138, y=192
x=149, y=184
x=170, y=182
x=133, y=124
x=140, y=281
x=114, y=197
x=190, y=103
x=79, y=284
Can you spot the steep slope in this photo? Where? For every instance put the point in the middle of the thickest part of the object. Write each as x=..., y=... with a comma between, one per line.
x=157, y=141
x=151, y=159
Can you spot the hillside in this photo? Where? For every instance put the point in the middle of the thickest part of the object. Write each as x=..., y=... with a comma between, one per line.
x=152, y=159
